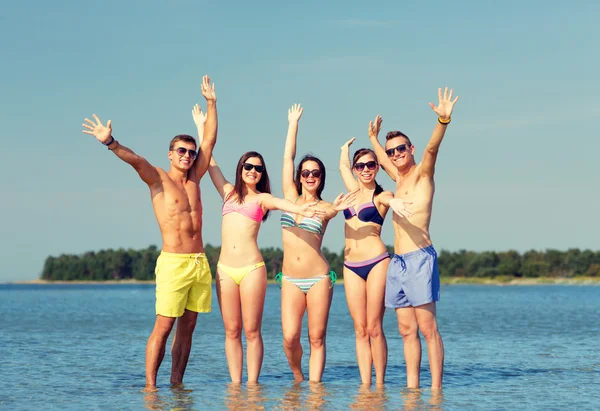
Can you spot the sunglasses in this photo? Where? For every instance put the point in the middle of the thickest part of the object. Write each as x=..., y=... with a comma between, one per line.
x=401, y=149
x=181, y=152
x=306, y=173
x=248, y=167
x=371, y=165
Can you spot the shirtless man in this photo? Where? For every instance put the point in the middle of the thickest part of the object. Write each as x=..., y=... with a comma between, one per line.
x=183, y=278
x=413, y=280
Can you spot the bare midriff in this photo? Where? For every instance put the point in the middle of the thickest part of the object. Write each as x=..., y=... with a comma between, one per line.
x=178, y=210
x=239, y=247
x=412, y=233
x=363, y=240
x=302, y=256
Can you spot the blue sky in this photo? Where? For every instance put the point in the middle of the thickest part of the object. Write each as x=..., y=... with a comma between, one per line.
x=518, y=168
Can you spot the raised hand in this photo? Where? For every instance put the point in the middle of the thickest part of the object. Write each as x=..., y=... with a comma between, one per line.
x=294, y=113
x=446, y=104
x=348, y=143
x=198, y=116
x=400, y=207
x=97, y=129
x=375, y=126
x=208, y=89
x=343, y=202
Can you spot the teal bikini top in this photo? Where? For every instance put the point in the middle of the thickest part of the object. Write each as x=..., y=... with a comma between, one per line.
x=310, y=224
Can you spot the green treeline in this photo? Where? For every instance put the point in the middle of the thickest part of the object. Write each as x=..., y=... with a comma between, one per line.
x=139, y=264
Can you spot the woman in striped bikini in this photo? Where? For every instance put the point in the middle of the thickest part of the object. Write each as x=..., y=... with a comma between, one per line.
x=241, y=272
x=306, y=279
x=366, y=257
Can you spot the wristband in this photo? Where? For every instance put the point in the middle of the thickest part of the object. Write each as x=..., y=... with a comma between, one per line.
x=112, y=139
x=447, y=121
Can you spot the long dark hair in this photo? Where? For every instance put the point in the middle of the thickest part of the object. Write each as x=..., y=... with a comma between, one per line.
x=364, y=151
x=321, y=186
x=263, y=185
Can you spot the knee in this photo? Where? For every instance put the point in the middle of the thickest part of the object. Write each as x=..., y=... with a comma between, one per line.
x=233, y=331
x=252, y=334
x=317, y=339
x=361, y=331
x=409, y=332
x=187, y=323
x=374, y=330
x=162, y=329
x=429, y=330
x=291, y=340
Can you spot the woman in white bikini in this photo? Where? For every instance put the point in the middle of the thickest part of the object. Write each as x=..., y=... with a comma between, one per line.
x=241, y=272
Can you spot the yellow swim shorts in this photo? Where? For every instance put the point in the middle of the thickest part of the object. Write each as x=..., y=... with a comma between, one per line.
x=183, y=282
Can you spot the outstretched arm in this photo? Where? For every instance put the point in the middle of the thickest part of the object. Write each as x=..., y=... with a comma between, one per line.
x=444, y=112
x=398, y=205
x=269, y=202
x=289, y=153
x=345, y=167
x=384, y=160
x=210, y=129
x=103, y=133
x=223, y=186
x=341, y=202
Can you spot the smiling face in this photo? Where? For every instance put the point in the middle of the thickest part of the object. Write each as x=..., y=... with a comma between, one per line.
x=400, y=151
x=310, y=176
x=182, y=155
x=365, y=167
x=252, y=171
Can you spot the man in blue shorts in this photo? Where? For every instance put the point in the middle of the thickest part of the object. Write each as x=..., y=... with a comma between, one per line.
x=413, y=280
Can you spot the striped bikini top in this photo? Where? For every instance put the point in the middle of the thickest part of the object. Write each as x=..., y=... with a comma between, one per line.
x=251, y=210
x=311, y=224
x=367, y=213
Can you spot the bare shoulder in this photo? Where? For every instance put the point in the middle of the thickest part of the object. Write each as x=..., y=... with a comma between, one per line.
x=384, y=195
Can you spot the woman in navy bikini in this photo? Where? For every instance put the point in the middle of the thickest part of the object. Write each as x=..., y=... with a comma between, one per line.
x=306, y=279
x=241, y=272
x=366, y=257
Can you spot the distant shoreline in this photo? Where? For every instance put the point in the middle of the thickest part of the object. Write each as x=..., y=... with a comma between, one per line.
x=503, y=281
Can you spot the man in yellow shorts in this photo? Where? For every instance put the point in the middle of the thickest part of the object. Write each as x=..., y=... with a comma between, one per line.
x=183, y=278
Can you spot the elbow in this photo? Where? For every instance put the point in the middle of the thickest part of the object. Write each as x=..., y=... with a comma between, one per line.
x=433, y=150
x=137, y=162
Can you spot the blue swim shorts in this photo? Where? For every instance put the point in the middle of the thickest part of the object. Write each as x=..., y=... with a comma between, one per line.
x=412, y=279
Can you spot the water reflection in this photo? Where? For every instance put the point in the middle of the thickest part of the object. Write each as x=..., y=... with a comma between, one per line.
x=292, y=399
x=370, y=399
x=177, y=398
x=247, y=397
x=317, y=396
x=412, y=399
x=305, y=396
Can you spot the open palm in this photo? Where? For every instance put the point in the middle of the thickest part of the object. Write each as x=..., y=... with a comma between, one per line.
x=198, y=116
x=97, y=129
x=445, y=105
x=375, y=126
x=295, y=112
x=208, y=89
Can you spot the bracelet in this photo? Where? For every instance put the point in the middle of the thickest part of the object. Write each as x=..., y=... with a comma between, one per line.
x=112, y=139
x=447, y=121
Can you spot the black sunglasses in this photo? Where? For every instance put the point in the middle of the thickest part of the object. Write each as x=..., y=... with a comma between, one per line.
x=248, y=167
x=306, y=173
x=181, y=152
x=371, y=165
x=401, y=149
